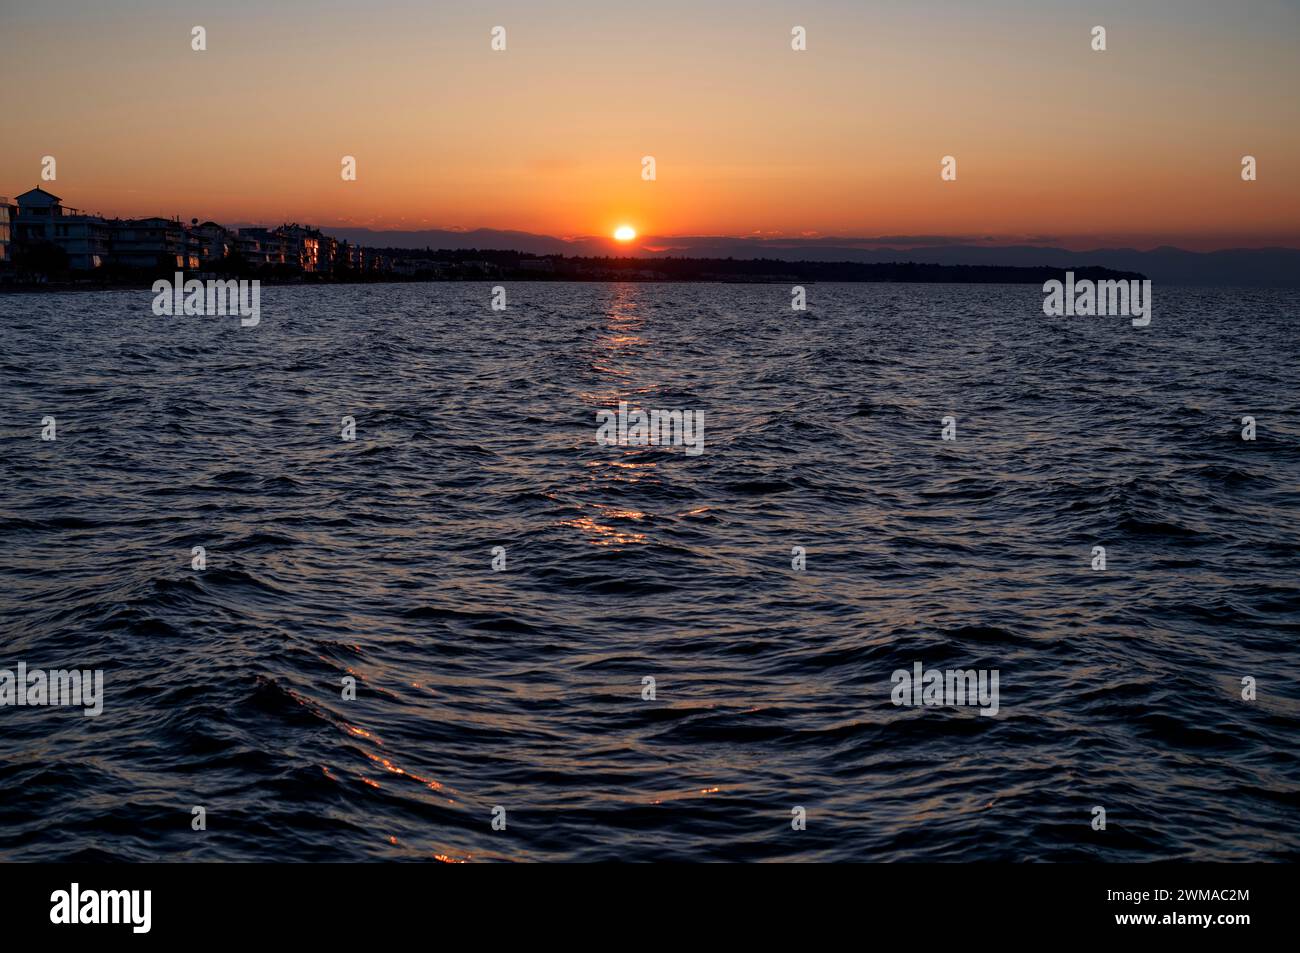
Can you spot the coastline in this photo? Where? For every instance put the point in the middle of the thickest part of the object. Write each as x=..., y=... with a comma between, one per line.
x=662, y=271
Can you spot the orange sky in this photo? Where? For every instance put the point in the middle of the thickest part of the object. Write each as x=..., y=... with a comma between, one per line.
x=1141, y=144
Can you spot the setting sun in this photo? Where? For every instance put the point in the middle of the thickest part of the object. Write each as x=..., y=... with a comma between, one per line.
x=625, y=233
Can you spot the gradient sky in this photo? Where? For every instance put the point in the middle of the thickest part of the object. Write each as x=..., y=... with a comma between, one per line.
x=1138, y=145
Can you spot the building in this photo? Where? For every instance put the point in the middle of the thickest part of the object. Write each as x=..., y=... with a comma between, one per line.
x=249, y=247
x=37, y=210
x=214, y=242
x=152, y=243
x=42, y=219
x=6, y=218
x=303, y=246
x=347, y=257
x=328, y=254
x=355, y=256
x=39, y=231
x=264, y=246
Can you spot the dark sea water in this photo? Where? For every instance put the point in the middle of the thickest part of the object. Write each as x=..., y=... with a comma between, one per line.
x=523, y=688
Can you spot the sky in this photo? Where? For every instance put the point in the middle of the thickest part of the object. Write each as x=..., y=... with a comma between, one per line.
x=1139, y=145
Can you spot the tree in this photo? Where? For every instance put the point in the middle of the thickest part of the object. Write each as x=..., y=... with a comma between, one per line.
x=43, y=259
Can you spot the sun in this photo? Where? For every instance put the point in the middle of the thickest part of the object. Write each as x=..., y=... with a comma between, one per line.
x=625, y=233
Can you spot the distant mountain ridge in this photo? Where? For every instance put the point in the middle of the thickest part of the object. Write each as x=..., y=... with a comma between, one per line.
x=1250, y=267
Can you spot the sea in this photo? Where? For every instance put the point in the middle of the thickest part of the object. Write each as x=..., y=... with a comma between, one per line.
x=363, y=584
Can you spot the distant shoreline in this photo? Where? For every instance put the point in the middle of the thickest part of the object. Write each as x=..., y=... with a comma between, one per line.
x=511, y=266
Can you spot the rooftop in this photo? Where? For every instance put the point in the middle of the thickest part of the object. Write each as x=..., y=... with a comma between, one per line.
x=38, y=193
